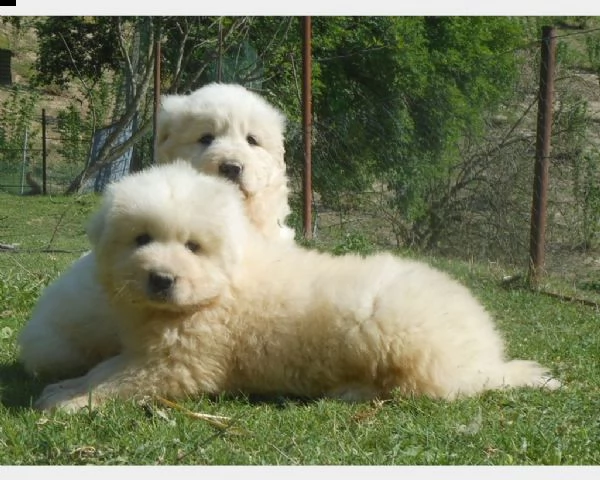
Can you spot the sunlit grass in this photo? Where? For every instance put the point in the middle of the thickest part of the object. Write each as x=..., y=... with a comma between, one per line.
x=525, y=427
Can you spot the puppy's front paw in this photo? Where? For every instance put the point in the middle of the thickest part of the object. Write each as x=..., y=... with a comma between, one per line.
x=64, y=385
x=62, y=396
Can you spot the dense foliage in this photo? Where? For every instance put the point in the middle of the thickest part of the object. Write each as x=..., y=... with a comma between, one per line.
x=401, y=104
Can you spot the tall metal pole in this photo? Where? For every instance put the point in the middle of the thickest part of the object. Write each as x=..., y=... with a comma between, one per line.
x=156, y=101
x=542, y=157
x=307, y=123
x=44, y=151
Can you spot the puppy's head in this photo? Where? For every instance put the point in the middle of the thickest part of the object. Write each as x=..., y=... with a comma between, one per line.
x=168, y=238
x=225, y=130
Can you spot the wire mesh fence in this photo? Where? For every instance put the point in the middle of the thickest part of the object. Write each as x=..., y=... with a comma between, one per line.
x=24, y=176
x=23, y=170
x=476, y=204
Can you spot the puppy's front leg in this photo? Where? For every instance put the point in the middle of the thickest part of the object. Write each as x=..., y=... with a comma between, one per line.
x=115, y=377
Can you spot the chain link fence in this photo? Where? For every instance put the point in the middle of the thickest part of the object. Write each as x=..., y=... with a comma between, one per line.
x=481, y=208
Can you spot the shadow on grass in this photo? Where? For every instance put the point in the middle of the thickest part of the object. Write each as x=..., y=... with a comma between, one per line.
x=18, y=389
x=278, y=401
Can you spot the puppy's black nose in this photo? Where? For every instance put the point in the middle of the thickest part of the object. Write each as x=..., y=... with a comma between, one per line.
x=160, y=283
x=230, y=170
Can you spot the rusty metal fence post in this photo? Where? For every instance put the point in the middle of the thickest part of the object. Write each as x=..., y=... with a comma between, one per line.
x=307, y=124
x=542, y=157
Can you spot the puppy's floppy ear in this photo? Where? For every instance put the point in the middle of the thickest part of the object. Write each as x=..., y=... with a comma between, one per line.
x=95, y=226
x=171, y=108
x=162, y=138
x=164, y=124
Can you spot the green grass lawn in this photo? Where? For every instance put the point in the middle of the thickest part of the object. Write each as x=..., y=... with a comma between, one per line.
x=524, y=427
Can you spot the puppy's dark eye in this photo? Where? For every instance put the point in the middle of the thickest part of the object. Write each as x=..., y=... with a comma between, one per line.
x=206, y=139
x=192, y=246
x=143, y=239
x=251, y=139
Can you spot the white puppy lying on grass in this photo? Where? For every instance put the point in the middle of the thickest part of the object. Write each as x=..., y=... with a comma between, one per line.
x=206, y=304
x=221, y=129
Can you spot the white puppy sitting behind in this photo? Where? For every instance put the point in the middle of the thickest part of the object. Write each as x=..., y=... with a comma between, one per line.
x=205, y=304
x=221, y=129
x=228, y=131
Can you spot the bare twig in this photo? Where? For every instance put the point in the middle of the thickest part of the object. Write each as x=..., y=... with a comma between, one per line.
x=218, y=421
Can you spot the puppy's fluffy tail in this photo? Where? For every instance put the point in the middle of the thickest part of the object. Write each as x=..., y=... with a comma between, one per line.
x=525, y=373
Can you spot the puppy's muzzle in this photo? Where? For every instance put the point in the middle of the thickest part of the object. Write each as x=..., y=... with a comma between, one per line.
x=160, y=284
x=231, y=170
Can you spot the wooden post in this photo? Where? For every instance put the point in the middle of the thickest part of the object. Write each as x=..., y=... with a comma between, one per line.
x=307, y=124
x=156, y=101
x=44, y=151
x=542, y=157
